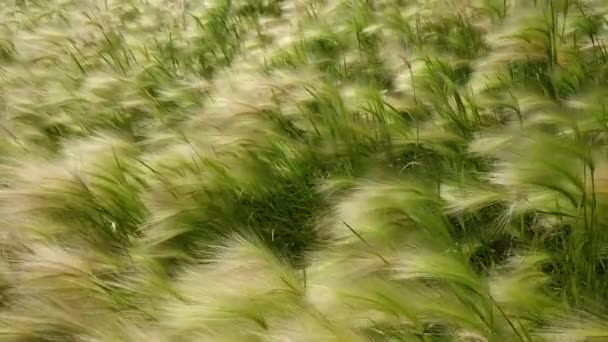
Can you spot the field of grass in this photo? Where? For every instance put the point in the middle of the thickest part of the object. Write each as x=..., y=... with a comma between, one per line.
x=303, y=170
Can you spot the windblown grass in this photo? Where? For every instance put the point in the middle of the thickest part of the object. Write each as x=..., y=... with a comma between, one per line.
x=303, y=170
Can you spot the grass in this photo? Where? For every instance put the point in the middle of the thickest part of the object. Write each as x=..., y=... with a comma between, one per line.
x=303, y=170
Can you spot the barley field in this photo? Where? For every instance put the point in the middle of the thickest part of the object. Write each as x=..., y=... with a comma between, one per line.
x=303, y=170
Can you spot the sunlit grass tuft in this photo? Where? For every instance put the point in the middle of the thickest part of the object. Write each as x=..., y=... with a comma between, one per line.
x=303, y=170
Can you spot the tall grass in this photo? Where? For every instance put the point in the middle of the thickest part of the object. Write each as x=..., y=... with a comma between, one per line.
x=303, y=170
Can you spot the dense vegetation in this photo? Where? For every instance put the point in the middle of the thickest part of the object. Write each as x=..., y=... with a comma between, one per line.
x=304, y=170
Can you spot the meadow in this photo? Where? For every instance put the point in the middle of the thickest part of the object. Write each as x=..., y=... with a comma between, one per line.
x=303, y=170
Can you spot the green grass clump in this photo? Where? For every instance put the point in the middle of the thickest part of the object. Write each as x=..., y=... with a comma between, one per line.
x=304, y=170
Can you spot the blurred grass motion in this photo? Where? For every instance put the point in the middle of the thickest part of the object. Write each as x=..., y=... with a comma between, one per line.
x=304, y=170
